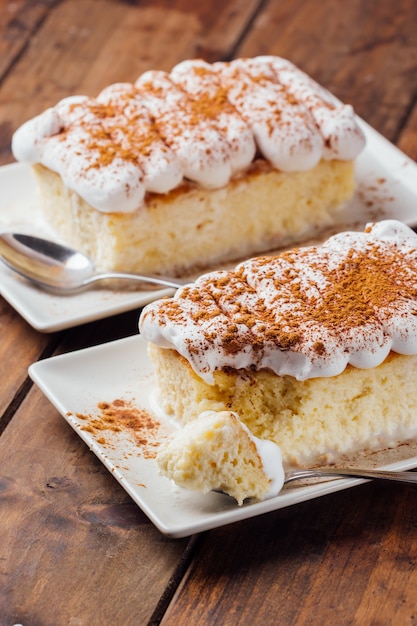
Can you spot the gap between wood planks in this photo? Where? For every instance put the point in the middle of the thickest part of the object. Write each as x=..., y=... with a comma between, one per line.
x=175, y=580
x=25, y=387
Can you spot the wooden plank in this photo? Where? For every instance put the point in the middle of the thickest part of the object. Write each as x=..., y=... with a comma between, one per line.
x=18, y=21
x=347, y=558
x=20, y=346
x=75, y=549
x=407, y=141
x=233, y=19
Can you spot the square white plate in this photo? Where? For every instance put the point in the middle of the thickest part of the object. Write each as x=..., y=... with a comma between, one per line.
x=79, y=382
x=386, y=187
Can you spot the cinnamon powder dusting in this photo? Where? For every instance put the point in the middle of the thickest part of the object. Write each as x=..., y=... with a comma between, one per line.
x=116, y=130
x=306, y=289
x=122, y=416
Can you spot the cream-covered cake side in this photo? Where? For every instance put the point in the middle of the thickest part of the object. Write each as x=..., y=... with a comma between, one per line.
x=315, y=349
x=314, y=422
x=189, y=157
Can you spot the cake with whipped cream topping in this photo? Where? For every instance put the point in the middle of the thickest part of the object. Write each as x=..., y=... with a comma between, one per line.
x=195, y=167
x=314, y=349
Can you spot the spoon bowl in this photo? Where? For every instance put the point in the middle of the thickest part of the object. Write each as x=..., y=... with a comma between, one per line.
x=61, y=270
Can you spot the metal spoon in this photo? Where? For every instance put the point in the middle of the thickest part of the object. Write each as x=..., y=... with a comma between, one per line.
x=61, y=270
x=324, y=472
x=404, y=477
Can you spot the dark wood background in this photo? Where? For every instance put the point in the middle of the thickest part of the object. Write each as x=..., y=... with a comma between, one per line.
x=74, y=549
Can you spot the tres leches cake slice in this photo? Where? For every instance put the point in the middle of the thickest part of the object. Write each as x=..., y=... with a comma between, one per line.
x=195, y=167
x=314, y=349
x=218, y=452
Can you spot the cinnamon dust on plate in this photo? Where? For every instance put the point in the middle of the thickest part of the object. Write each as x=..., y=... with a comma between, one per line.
x=122, y=416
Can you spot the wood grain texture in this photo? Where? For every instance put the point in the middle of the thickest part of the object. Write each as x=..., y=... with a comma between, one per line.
x=348, y=558
x=407, y=141
x=19, y=20
x=20, y=346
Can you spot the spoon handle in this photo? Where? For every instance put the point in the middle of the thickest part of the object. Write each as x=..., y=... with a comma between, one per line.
x=164, y=281
x=404, y=477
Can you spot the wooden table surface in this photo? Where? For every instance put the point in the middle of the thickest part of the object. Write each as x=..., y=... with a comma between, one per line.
x=74, y=549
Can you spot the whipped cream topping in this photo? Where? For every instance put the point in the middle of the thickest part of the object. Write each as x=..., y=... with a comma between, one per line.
x=271, y=458
x=342, y=137
x=306, y=313
x=200, y=122
x=196, y=138
x=201, y=82
x=284, y=129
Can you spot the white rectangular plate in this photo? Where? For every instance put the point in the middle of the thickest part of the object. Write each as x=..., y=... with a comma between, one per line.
x=386, y=187
x=79, y=382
